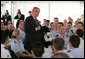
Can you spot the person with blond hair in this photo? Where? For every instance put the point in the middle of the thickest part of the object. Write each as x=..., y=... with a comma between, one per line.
x=17, y=46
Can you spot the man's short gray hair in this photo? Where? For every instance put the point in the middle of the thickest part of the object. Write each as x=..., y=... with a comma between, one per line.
x=35, y=8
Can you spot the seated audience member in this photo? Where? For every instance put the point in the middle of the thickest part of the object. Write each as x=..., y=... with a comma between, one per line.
x=69, y=31
x=58, y=46
x=60, y=55
x=4, y=47
x=6, y=18
x=56, y=19
x=51, y=26
x=9, y=29
x=2, y=26
x=44, y=24
x=45, y=39
x=62, y=34
x=21, y=29
x=74, y=43
x=80, y=25
x=65, y=22
x=70, y=20
x=60, y=24
x=78, y=19
x=17, y=46
x=74, y=28
x=48, y=23
x=56, y=23
x=79, y=33
x=54, y=32
x=37, y=50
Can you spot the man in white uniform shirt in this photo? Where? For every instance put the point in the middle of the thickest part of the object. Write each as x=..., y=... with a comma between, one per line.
x=74, y=43
x=4, y=48
x=79, y=33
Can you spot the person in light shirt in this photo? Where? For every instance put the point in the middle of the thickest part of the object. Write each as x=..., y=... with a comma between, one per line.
x=21, y=29
x=79, y=33
x=4, y=47
x=74, y=43
x=17, y=46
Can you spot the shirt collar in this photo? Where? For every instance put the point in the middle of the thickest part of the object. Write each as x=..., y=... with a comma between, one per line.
x=2, y=45
x=16, y=40
x=75, y=49
x=33, y=17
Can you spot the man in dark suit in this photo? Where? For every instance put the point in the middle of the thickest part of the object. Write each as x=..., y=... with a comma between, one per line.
x=6, y=18
x=19, y=17
x=31, y=27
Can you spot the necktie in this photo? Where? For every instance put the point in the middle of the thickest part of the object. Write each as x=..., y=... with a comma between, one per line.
x=37, y=23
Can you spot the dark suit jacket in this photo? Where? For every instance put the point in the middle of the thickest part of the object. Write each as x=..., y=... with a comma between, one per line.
x=21, y=18
x=9, y=33
x=31, y=35
x=8, y=19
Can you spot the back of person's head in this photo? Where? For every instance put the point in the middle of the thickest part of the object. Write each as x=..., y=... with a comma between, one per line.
x=15, y=33
x=79, y=32
x=59, y=43
x=60, y=55
x=38, y=49
x=75, y=41
x=4, y=37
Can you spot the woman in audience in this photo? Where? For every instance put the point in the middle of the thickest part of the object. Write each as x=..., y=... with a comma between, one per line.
x=17, y=45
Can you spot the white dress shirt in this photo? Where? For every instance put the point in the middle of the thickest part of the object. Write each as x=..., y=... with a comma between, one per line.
x=4, y=52
x=81, y=46
x=77, y=53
